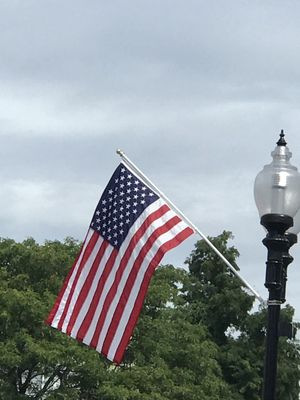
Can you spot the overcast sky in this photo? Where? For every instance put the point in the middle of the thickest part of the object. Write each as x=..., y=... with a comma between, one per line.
x=195, y=93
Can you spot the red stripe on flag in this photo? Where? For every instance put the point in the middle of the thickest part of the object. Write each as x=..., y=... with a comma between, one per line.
x=93, y=306
x=112, y=291
x=131, y=280
x=65, y=285
x=86, y=255
x=143, y=291
x=61, y=293
x=86, y=287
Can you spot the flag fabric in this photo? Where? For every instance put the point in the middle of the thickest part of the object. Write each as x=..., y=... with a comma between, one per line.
x=102, y=296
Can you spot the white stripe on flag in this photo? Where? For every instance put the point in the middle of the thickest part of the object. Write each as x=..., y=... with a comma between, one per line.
x=89, y=299
x=135, y=254
x=82, y=277
x=64, y=299
x=111, y=279
x=137, y=285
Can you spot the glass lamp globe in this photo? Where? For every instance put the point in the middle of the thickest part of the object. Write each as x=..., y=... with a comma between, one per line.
x=277, y=186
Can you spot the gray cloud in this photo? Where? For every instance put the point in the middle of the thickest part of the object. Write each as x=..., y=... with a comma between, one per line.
x=195, y=93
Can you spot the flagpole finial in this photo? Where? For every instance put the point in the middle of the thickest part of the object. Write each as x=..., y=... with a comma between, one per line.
x=281, y=141
x=120, y=152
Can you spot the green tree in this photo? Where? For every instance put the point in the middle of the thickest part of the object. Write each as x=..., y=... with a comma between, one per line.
x=215, y=295
x=196, y=337
x=170, y=357
x=217, y=299
x=35, y=359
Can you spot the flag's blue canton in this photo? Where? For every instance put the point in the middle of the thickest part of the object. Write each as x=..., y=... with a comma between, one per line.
x=122, y=202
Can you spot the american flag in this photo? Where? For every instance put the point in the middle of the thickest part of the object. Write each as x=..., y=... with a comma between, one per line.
x=102, y=296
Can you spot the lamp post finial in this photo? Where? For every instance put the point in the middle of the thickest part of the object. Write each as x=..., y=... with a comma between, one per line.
x=281, y=141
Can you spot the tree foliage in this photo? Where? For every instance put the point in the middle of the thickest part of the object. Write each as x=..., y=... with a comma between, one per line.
x=196, y=337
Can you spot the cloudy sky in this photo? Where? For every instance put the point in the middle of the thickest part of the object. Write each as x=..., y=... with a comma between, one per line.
x=195, y=92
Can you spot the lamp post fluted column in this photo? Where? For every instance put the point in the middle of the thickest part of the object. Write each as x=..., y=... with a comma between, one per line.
x=277, y=244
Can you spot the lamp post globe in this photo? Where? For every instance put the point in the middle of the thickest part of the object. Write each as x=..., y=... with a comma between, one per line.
x=277, y=196
x=276, y=187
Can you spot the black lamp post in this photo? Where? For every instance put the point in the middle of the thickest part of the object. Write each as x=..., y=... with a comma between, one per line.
x=277, y=196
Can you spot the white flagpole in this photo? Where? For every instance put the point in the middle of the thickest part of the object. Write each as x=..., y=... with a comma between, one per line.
x=168, y=201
